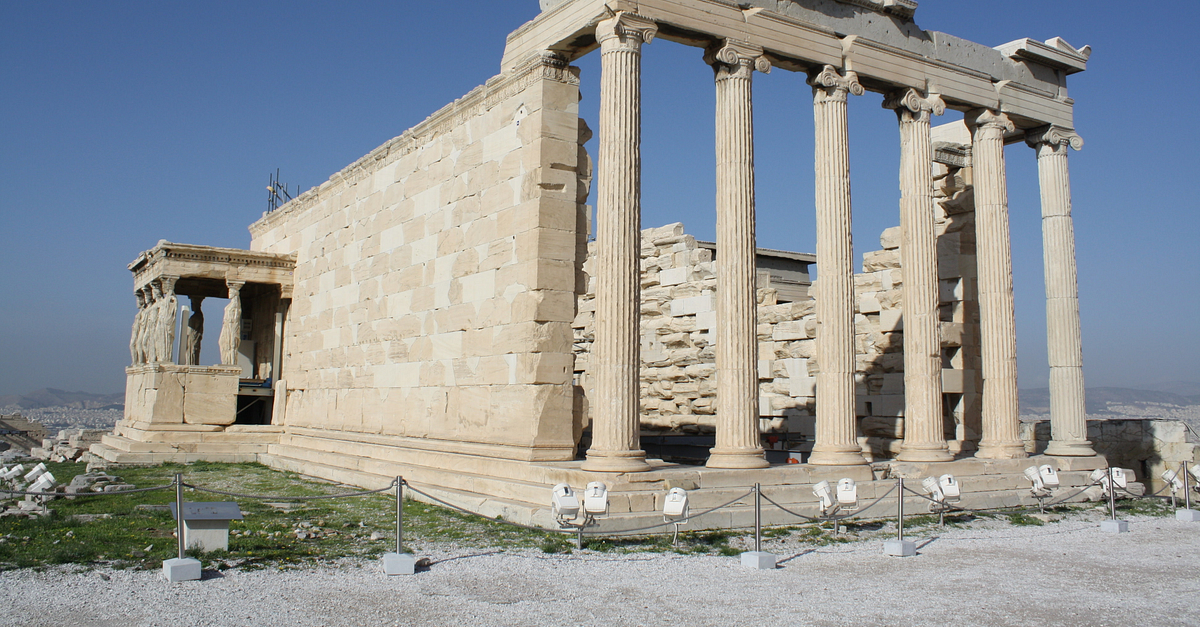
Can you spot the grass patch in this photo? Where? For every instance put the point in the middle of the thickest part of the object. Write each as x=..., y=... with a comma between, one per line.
x=1024, y=520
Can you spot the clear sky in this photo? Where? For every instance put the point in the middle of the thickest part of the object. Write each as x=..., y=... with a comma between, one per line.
x=122, y=123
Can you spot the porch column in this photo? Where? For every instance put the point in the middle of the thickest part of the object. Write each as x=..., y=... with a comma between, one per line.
x=836, y=441
x=1001, y=435
x=738, y=443
x=616, y=414
x=924, y=433
x=230, y=339
x=1064, y=343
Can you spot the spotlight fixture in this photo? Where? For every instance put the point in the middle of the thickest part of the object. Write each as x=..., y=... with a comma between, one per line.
x=1172, y=478
x=824, y=497
x=950, y=488
x=595, y=499
x=847, y=493
x=564, y=502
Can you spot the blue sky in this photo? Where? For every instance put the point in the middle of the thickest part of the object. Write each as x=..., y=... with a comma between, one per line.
x=123, y=123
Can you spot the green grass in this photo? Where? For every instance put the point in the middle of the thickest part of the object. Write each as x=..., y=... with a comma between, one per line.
x=129, y=536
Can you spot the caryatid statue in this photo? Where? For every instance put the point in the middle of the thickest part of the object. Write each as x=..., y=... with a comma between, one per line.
x=135, y=347
x=166, y=319
x=194, y=333
x=150, y=337
x=231, y=326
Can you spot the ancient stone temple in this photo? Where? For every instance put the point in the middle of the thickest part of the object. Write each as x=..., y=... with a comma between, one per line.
x=436, y=309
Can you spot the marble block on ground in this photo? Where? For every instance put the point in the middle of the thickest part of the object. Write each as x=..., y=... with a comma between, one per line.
x=900, y=548
x=1115, y=526
x=181, y=569
x=760, y=560
x=399, y=564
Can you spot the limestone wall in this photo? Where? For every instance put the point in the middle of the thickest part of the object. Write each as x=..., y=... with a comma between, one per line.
x=435, y=278
x=679, y=313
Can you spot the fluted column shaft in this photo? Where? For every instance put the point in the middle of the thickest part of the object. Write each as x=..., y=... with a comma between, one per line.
x=738, y=443
x=924, y=433
x=1001, y=426
x=1064, y=342
x=837, y=433
x=616, y=415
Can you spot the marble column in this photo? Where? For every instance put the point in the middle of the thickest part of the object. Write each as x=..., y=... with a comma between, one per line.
x=1001, y=425
x=837, y=433
x=616, y=413
x=1064, y=343
x=738, y=442
x=155, y=352
x=924, y=431
x=135, y=348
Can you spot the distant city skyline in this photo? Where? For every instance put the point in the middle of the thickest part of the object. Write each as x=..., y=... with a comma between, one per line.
x=122, y=124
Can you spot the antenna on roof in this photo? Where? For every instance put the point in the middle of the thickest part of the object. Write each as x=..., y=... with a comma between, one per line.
x=277, y=193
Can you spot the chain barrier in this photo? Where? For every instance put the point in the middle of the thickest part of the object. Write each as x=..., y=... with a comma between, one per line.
x=834, y=519
x=568, y=531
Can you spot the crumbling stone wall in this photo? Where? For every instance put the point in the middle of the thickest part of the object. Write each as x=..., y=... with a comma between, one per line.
x=679, y=313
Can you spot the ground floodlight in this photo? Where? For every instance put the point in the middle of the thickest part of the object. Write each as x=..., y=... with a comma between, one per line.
x=1035, y=477
x=676, y=505
x=49, y=476
x=12, y=473
x=1099, y=475
x=1120, y=476
x=595, y=498
x=564, y=502
x=847, y=493
x=824, y=495
x=1195, y=470
x=935, y=491
x=950, y=488
x=1172, y=477
x=1049, y=476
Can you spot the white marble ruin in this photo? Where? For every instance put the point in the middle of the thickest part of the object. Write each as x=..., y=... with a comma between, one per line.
x=433, y=309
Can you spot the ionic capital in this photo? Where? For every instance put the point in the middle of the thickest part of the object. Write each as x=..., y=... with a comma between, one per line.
x=629, y=30
x=1052, y=135
x=911, y=104
x=988, y=119
x=737, y=59
x=168, y=283
x=829, y=85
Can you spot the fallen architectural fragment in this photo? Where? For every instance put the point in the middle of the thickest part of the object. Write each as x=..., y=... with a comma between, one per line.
x=435, y=310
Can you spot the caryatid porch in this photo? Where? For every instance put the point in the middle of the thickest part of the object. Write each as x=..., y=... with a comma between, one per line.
x=1008, y=94
x=166, y=383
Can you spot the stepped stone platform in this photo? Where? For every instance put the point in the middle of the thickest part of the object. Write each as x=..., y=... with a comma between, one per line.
x=519, y=491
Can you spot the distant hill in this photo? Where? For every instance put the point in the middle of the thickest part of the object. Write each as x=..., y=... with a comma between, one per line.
x=1037, y=400
x=50, y=397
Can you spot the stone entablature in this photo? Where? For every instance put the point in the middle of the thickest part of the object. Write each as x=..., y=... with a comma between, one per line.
x=198, y=265
x=1024, y=79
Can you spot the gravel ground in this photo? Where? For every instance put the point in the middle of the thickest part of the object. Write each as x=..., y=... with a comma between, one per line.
x=1065, y=573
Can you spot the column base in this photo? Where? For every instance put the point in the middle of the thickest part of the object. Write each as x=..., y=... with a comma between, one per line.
x=1001, y=450
x=616, y=461
x=1081, y=448
x=924, y=453
x=737, y=458
x=837, y=457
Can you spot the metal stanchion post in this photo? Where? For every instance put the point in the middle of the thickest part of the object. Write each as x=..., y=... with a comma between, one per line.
x=1187, y=514
x=1112, y=495
x=1113, y=525
x=899, y=547
x=179, y=512
x=180, y=568
x=758, y=559
x=399, y=563
x=757, y=517
x=1187, y=489
x=399, y=513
